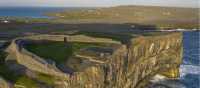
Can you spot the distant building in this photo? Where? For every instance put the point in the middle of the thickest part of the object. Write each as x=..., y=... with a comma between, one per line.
x=90, y=11
x=166, y=13
x=133, y=26
x=60, y=15
x=4, y=21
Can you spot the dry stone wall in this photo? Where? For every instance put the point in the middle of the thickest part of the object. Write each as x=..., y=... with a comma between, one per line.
x=39, y=64
x=75, y=38
x=32, y=61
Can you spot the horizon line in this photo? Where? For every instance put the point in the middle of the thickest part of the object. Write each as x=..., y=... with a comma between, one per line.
x=105, y=6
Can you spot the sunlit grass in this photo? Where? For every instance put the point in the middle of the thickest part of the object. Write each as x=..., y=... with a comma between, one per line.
x=46, y=79
x=26, y=82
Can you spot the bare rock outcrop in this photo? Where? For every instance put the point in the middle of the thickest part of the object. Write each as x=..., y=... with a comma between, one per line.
x=152, y=55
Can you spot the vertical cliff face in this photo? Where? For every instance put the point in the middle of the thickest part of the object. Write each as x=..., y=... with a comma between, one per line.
x=152, y=55
x=131, y=66
x=92, y=77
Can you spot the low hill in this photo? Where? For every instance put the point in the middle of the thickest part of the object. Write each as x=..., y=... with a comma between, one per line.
x=162, y=17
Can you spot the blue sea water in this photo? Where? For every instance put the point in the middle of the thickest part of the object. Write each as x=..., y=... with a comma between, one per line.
x=190, y=68
x=31, y=12
x=191, y=46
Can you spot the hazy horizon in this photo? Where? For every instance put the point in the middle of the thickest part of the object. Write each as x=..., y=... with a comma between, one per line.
x=97, y=3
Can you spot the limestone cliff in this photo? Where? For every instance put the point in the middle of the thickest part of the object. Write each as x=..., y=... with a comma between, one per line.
x=132, y=66
x=148, y=56
x=129, y=66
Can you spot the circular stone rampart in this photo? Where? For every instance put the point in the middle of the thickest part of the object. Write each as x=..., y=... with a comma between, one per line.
x=39, y=64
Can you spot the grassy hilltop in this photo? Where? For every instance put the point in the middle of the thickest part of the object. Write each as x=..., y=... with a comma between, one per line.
x=152, y=15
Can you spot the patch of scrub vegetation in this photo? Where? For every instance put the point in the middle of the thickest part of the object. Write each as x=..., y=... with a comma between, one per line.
x=57, y=51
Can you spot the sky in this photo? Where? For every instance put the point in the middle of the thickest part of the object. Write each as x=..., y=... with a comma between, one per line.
x=100, y=3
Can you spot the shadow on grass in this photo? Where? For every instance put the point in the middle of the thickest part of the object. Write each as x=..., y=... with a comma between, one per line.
x=17, y=75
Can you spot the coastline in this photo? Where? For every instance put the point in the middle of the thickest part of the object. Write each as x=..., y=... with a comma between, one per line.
x=161, y=18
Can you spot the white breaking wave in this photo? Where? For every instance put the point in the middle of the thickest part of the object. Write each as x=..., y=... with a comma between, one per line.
x=189, y=69
x=158, y=78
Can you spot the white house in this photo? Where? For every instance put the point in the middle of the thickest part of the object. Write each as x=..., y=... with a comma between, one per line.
x=5, y=21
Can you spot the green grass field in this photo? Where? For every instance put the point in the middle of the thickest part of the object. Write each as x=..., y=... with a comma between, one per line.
x=161, y=17
x=26, y=82
x=57, y=51
x=33, y=83
x=49, y=80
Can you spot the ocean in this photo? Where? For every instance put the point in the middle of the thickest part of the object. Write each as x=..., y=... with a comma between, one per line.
x=190, y=68
x=30, y=12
